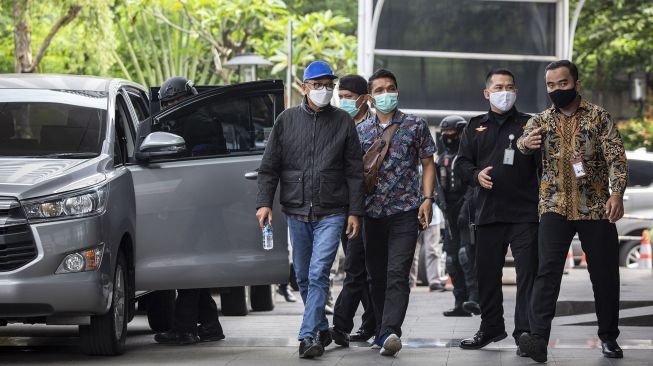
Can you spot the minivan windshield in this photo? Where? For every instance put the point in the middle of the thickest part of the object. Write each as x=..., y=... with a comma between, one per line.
x=52, y=123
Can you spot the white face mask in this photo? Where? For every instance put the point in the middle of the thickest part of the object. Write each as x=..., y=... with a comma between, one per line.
x=320, y=97
x=503, y=100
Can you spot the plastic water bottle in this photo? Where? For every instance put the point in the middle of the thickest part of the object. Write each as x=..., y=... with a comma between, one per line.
x=268, y=240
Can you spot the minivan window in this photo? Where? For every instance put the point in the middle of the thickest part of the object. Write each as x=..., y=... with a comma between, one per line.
x=234, y=126
x=139, y=105
x=52, y=123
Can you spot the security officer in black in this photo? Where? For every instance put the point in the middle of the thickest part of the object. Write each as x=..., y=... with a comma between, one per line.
x=506, y=197
x=454, y=198
x=196, y=314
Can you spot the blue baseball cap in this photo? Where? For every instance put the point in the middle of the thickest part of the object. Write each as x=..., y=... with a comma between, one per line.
x=317, y=70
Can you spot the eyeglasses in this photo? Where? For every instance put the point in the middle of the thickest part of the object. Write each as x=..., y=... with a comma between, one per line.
x=320, y=86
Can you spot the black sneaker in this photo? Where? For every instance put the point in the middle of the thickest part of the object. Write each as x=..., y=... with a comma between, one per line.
x=534, y=346
x=456, y=312
x=339, y=337
x=324, y=337
x=436, y=286
x=176, y=338
x=472, y=307
x=361, y=335
x=309, y=348
x=520, y=352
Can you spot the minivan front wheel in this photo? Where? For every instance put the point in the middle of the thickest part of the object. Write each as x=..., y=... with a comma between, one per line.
x=106, y=334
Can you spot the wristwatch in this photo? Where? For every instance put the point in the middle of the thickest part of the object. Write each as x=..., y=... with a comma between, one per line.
x=431, y=197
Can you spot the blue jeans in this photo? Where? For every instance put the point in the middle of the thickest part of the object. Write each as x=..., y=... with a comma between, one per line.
x=314, y=247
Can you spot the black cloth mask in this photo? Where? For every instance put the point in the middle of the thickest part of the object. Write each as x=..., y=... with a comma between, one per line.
x=451, y=142
x=563, y=97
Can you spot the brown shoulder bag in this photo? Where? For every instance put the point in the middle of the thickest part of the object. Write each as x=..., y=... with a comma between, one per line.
x=374, y=157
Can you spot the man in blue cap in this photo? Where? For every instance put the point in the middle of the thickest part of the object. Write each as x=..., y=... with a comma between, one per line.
x=315, y=152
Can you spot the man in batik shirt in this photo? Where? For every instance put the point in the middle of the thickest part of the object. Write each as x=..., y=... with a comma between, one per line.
x=581, y=191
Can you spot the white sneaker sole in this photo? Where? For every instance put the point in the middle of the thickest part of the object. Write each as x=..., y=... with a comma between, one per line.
x=391, y=346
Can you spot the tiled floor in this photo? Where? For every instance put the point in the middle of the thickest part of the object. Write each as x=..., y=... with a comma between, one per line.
x=429, y=338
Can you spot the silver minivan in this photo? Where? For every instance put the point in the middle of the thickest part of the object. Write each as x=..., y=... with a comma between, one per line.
x=102, y=202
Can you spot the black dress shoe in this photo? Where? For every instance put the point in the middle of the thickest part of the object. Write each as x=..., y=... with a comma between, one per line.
x=361, y=335
x=309, y=348
x=472, y=307
x=211, y=333
x=611, y=349
x=534, y=346
x=457, y=311
x=481, y=339
x=176, y=338
x=284, y=290
x=324, y=337
x=339, y=337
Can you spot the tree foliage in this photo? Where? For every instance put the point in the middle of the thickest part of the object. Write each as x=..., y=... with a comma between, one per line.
x=150, y=40
x=613, y=38
x=80, y=46
x=316, y=36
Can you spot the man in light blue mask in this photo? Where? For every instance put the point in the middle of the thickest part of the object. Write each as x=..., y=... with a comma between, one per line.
x=353, y=96
x=395, y=206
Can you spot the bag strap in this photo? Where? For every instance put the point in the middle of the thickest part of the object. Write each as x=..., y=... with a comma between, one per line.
x=388, y=133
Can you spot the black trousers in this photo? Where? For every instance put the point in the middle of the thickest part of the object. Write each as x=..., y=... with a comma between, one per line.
x=600, y=243
x=491, y=247
x=390, y=244
x=195, y=306
x=454, y=268
x=355, y=289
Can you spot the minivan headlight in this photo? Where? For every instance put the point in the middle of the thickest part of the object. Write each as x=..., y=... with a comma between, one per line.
x=71, y=205
x=82, y=261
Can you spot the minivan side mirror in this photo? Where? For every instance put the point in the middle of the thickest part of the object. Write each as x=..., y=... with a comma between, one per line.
x=160, y=145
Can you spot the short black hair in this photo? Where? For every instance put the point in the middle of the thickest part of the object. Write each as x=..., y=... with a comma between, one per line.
x=499, y=72
x=380, y=74
x=354, y=83
x=573, y=70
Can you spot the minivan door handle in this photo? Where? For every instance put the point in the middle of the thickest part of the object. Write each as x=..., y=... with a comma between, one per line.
x=251, y=175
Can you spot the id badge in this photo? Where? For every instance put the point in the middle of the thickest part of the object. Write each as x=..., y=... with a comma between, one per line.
x=508, y=156
x=578, y=168
x=509, y=153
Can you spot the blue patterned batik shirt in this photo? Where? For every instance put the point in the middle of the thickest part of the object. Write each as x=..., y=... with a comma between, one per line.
x=398, y=188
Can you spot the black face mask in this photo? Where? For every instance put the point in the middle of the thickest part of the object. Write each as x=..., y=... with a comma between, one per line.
x=451, y=142
x=563, y=97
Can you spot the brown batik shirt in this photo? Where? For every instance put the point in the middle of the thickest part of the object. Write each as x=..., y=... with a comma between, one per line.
x=590, y=136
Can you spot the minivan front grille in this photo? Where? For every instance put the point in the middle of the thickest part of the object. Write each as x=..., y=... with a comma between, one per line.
x=17, y=246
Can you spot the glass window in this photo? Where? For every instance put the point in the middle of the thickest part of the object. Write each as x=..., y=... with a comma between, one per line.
x=468, y=26
x=228, y=126
x=139, y=104
x=454, y=84
x=262, y=119
x=640, y=173
x=124, y=136
x=66, y=124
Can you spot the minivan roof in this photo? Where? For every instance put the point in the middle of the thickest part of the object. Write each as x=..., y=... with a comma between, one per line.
x=53, y=81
